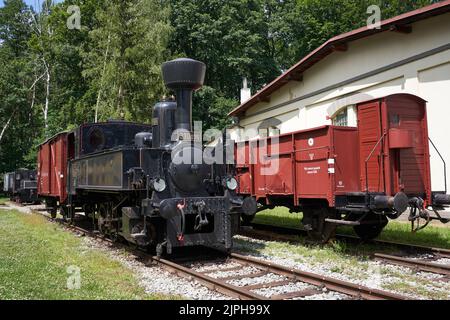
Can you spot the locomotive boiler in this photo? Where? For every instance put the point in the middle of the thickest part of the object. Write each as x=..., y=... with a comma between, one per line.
x=353, y=176
x=159, y=190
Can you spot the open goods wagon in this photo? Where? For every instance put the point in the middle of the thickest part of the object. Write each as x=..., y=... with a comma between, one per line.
x=345, y=175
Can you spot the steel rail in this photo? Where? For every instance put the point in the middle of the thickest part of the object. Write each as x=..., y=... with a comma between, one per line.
x=300, y=232
x=331, y=284
x=173, y=267
x=412, y=263
x=212, y=283
x=244, y=293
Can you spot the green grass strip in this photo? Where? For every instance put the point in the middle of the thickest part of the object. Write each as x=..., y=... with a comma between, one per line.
x=35, y=257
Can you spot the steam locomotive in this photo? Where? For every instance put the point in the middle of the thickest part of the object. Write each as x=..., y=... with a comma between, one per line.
x=21, y=186
x=151, y=185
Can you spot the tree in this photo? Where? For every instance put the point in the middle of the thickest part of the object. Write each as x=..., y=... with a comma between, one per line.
x=16, y=112
x=211, y=108
x=123, y=64
x=229, y=36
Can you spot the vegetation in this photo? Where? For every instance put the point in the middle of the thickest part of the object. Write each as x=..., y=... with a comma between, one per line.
x=36, y=256
x=437, y=236
x=55, y=76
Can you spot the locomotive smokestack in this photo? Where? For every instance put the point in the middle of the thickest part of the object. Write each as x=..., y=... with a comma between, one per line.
x=184, y=76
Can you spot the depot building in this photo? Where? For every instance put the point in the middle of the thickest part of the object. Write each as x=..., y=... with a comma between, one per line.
x=406, y=54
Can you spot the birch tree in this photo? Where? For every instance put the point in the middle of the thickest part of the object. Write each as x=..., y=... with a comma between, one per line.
x=124, y=64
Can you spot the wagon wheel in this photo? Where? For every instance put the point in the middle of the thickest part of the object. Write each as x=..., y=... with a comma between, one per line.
x=320, y=230
x=371, y=231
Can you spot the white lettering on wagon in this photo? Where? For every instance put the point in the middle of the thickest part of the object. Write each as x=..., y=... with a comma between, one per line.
x=312, y=170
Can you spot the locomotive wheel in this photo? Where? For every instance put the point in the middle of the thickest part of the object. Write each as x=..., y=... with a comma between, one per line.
x=321, y=231
x=371, y=231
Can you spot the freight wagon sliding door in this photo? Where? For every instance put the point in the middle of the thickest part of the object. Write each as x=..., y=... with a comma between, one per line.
x=44, y=170
x=312, y=154
x=369, y=123
x=59, y=158
x=278, y=165
x=408, y=142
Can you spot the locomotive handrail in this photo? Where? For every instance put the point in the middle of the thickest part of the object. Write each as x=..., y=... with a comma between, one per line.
x=443, y=161
x=367, y=161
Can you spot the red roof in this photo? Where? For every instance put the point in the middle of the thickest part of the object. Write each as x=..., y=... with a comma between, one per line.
x=399, y=23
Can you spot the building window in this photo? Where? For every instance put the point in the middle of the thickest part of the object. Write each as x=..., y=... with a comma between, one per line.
x=341, y=119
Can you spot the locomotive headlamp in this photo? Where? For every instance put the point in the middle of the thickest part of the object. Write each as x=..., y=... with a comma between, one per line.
x=232, y=184
x=159, y=185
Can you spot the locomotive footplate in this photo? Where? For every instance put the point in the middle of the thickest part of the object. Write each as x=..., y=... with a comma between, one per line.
x=197, y=221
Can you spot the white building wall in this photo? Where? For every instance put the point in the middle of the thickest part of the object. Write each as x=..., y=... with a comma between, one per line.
x=427, y=75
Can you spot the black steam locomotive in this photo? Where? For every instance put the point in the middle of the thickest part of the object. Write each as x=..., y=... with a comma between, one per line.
x=159, y=191
x=21, y=186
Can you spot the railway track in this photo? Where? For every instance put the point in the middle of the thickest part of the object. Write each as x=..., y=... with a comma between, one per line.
x=427, y=264
x=286, y=233
x=417, y=264
x=309, y=284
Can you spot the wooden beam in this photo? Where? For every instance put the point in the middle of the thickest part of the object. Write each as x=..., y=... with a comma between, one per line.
x=339, y=47
x=295, y=77
x=401, y=28
x=263, y=99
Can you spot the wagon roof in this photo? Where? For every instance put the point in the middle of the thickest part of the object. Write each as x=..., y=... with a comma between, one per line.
x=54, y=137
x=339, y=43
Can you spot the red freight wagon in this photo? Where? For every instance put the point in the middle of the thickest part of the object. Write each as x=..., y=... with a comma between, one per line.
x=346, y=176
x=53, y=157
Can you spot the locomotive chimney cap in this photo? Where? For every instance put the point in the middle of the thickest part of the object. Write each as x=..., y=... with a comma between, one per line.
x=184, y=73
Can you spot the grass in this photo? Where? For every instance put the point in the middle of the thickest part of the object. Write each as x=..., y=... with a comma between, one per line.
x=394, y=231
x=35, y=256
x=3, y=200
